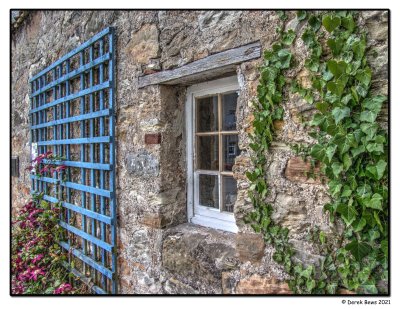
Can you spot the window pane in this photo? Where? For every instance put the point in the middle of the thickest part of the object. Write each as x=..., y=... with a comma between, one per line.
x=229, y=193
x=229, y=101
x=229, y=151
x=208, y=191
x=207, y=152
x=207, y=114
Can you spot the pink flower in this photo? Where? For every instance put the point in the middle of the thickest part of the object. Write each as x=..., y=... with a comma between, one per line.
x=44, y=169
x=37, y=258
x=63, y=288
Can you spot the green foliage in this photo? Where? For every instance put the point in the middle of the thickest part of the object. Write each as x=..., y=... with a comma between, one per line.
x=351, y=147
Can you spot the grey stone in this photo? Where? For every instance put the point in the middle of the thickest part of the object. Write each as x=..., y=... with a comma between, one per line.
x=142, y=163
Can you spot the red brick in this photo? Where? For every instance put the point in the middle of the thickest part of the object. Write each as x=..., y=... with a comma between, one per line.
x=297, y=170
x=153, y=138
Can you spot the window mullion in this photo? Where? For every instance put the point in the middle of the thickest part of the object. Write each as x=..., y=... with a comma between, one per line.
x=220, y=168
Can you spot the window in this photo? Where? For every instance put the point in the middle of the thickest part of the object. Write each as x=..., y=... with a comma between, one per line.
x=211, y=150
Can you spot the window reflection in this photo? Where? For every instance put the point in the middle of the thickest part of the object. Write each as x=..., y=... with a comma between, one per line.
x=230, y=151
x=207, y=114
x=229, y=111
x=208, y=152
x=208, y=193
x=229, y=193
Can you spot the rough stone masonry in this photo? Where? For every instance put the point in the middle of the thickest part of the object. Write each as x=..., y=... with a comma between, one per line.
x=158, y=251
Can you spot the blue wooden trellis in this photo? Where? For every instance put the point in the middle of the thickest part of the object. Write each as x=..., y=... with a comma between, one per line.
x=72, y=115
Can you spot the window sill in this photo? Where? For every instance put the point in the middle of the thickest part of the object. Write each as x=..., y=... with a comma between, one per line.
x=220, y=225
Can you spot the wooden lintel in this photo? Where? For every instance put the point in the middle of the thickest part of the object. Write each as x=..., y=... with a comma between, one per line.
x=220, y=63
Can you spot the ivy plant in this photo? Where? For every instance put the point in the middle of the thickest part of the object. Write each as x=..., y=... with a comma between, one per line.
x=350, y=146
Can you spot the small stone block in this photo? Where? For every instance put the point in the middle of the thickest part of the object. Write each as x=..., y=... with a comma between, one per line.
x=155, y=220
x=261, y=285
x=297, y=171
x=153, y=138
x=250, y=247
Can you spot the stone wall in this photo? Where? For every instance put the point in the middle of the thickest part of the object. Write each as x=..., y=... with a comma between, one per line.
x=158, y=251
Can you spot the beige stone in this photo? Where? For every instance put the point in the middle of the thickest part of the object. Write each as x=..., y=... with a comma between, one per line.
x=250, y=247
x=261, y=285
x=144, y=44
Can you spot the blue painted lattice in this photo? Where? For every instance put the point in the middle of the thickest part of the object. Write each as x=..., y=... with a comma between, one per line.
x=72, y=115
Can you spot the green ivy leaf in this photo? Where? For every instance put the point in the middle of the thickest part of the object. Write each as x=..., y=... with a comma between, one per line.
x=358, y=249
x=369, y=129
x=335, y=187
x=331, y=22
x=340, y=113
x=364, y=76
x=359, y=48
x=348, y=23
x=374, y=104
x=312, y=64
x=278, y=113
x=378, y=170
x=308, y=37
x=306, y=273
x=375, y=202
x=282, y=15
x=322, y=106
x=310, y=284
x=364, y=191
x=301, y=14
x=330, y=151
x=347, y=161
x=374, y=147
x=337, y=68
x=358, y=150
x=318, y=152
x=362, y=90
x=317, y=119
x=285, y=57
x=378, y=221
x=348, y=213
x=337, y=168
x=346, y=191
x=369, y=288
x=314, y=22
x=358, y=227
x=347, y=56
x=368, y=116
x=335, y=45
x=288, y=37
x=345, y=142
x=331, y=288
x=384, y=247
x=335, y=87
x=373, y=234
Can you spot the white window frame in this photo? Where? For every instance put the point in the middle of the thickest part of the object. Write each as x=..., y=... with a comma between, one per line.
x=197, y=214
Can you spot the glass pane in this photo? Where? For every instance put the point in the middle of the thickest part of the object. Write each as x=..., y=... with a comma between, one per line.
x=229, y=193
x=229, y=151
x=207, y=114
x=208, y=191
x=229, y=101
x=207, y=152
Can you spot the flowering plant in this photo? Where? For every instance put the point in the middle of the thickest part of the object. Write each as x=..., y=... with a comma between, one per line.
x=47, y=163
x=36, y=261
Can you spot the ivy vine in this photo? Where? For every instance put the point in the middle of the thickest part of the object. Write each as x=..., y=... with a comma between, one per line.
x=350, y=145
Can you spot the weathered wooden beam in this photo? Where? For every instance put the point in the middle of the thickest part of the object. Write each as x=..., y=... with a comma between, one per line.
x=220, y=63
